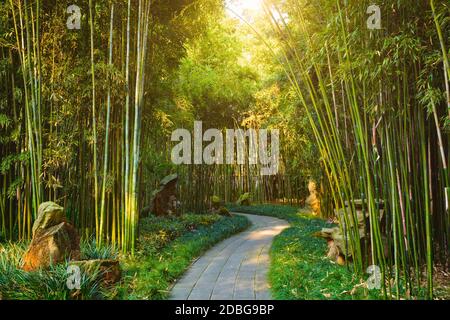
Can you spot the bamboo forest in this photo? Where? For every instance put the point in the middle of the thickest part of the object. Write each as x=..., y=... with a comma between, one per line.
x=224, y=150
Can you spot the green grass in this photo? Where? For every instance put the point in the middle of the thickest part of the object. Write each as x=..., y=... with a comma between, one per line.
x=299, y=266
x=167, y=247
x=16, y=284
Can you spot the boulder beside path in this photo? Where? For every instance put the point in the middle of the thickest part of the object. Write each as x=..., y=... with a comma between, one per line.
x=54, y=239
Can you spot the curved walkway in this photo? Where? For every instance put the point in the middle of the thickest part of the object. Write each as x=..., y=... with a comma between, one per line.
x=236, y=268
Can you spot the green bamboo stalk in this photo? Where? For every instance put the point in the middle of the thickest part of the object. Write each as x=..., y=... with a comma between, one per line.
x=428, y=231
x=94, y=122
x=108, y=120
x=125, y=225
x=33, y=136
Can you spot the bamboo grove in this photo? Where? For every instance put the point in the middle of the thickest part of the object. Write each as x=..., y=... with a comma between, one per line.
x=24, y=172
x=74, y=128
x=86, y=116
x=377, y=102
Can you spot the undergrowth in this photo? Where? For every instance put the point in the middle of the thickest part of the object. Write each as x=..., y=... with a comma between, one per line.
x=51, y=284
x=299, y=266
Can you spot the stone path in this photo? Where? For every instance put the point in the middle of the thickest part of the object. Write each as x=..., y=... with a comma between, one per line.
x=236, y=268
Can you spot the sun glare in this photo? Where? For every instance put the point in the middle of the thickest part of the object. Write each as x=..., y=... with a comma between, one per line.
x=244, y=6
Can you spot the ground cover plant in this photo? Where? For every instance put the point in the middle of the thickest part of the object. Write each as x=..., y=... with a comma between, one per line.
x=300, y=268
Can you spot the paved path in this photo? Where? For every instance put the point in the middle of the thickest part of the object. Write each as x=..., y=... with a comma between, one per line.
x=236, y=268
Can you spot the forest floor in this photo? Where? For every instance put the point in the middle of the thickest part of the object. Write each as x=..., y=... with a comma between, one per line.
x=51, y=284
x=299, y=267
x=236, y=268
x=166, y=248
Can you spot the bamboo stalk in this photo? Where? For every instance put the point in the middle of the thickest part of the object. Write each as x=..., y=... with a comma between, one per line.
x=108, y=120
x=94, y=122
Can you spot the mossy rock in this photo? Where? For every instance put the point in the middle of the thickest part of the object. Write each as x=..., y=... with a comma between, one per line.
x=164, y=199
x=224, y=212
x=51, y=246
x=168, y=179
x=335, y=235
x=108, y=271
x=49, y=214
x=244, y=199
x=215, y=200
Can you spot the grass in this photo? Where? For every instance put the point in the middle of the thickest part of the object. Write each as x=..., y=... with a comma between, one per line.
x=299, y=267
x=16, y=284
x=167, y=247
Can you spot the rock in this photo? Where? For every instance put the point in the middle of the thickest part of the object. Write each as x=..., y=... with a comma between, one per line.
x=313, y=200
x=217, y=207
x=107, y=271
x=51, y=246
x=334, y=253
x=54, y=240
x=220, y=211
x=164, y=199
x=169, y=179
x=338, y=245
x=224, y=212
x=344, y=214
x=340, y=260
x=244, y=199
x=358, y=204
x=216, y=202
x=335, y=241
x=49, y=214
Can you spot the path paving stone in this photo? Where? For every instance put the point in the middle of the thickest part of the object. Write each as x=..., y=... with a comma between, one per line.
x=234, y=269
